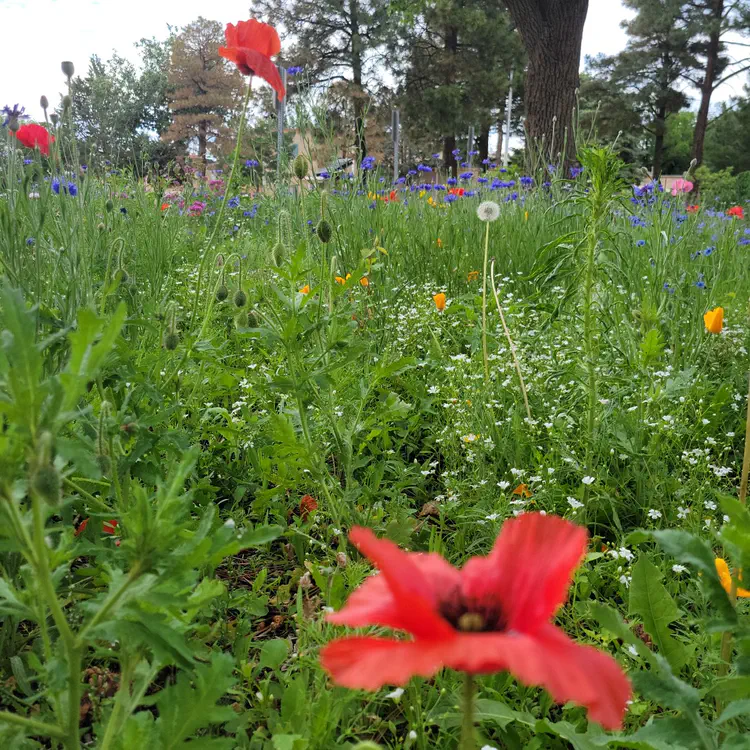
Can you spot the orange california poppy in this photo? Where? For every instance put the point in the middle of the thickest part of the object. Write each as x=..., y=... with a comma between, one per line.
x=340, y=280
x=473, y=276
x=439, y=242
x=250, y=46
x=522, y=491
x=439, y=301
x=364, y=281
x=305, y=289
x=726, y=579
x=714, y=320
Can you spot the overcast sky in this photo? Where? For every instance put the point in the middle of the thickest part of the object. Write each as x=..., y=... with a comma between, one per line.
x=39, y=34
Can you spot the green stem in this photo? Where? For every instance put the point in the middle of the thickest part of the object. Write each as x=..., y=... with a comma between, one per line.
x=31, y=726
x=484, y=303
x=467, y=705
x=588, y=338
x=87, y=496
x=227, y=193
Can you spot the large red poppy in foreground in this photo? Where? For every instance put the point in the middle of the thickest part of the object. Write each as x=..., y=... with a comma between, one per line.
x=492, y=615
x=250, y=46
x=35, y=136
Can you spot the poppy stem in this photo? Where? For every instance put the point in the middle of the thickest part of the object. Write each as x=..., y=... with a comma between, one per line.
x=467, y=727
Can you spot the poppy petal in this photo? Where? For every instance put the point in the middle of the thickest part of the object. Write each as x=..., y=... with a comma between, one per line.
x=262, y=67
x=529, y=569
x=257, y=36
x=412, y=594
x=374, y=604
x=370, y=663
x=549, y=659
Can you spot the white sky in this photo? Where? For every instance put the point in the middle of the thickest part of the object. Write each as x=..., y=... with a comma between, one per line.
x=39, y=34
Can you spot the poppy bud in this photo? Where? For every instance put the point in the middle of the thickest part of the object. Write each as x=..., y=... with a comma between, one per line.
x=55, y=118
x=222, y=293
x=123, y=275
x=300, y=167
x=277, y=254
x=100, y=226
x=109, y=206
x=252, y=319
x=240, y=298
x=68, y=69
x=170, y=341
x=47, y=484
x=241, y=320
x=44, y=103
x=67, y=102
x=324, y=231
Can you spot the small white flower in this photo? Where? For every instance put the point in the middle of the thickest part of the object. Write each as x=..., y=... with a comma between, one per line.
x=654, y=514
x=679, y=568
x=488, y=747
x=488, y=211
x=503, y=485
x=229, y=523
x=412, y=735
x=396, y=694
x=633, y=651
x=573, y=503
x=588, y=480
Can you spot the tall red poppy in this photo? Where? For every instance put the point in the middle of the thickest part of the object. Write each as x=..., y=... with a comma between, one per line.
x=736, y=211
x=35, y=136
x=250, y=46
x=492, y=615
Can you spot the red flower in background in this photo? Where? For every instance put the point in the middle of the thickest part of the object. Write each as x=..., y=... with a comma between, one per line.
x=250, y=46
x=35, y=136
x=692, y=209
x=456, y=191
x=307, y=505
x=492, y=615
x=108, y=527
x=736, y=211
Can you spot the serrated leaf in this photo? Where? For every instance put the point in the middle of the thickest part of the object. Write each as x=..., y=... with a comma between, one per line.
x=11, y=604
x=190, y=704
x=651, y=601
x=610, y=620
x=730, y=689
x=661, y=686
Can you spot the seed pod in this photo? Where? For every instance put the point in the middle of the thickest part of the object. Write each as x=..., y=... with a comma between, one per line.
x=222, y=293
x=171, y=340
x=44, y=103
x=47, y=483
x=67, y=102
x=55, y=118
x=300, y=167
x=68, y=69
x=252, y=319
x=123, y=275
x=324, y=231
x=100, y=226
x=241, y=320
x=109, y=206
x=277, y=254
x=240, y=298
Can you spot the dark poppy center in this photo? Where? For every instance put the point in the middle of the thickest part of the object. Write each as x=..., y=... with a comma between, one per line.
x=472, y=616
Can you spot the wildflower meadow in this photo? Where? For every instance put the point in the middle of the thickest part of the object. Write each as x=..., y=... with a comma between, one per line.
x=355, y=457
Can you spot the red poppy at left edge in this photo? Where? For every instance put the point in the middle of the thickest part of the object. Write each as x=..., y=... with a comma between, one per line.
x=35, y=136
x=250, y=46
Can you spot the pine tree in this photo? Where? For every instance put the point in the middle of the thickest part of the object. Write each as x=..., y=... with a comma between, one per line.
x=334, y=42
x=204, y=90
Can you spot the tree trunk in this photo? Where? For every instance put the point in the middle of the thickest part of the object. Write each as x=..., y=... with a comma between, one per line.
x=500, y=130
x=203, y=144
x=484, y=146
x=660, y=126
x=359, y=103
x=449, y=141
x=707, y=87
x=551, y=31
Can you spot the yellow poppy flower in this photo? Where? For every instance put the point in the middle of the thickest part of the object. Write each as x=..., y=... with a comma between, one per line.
x=364, y=281
x=726, y=578
x=305, y=289
x=473, y=276
x=714, y=320
x=439, y=301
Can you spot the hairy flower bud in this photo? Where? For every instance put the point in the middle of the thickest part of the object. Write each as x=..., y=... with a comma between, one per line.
x=68, y=69
x=300, y=167
x=46, y=482
x=171, y=340
x=109, y=206
x=277, y=254
x=222, y=293
x=240, y=298
x=324, y=231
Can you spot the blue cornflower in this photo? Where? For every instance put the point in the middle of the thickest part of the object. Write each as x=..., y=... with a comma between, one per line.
x=252, y=163
x=55, y=186
x=527, y=181
x=368, y=162
x=452, y=181
x=412, y=172
x=424, y=168
x=641, y=243
x=473, y=153
x=324, y=175
x=437, y=156
x=124, y=211
x=709, y=250
x=234, y=202
x=28, y=161
x=485, y=161
x=456, y=152
x=450, y=198
x=700, y=284
x=439, y=187
x=30, y=241
x=470, y=193
x=401, y=180
x=743, y=241
x=552, y=168
x=13, y=115
x=466, y=175
x=465, y=164
x=294, y=70
x=575, y=172
x=482, y=180
x=72, y=189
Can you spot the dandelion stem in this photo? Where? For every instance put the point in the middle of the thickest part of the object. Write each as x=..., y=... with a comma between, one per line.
x=484, y=303
x=510, y=341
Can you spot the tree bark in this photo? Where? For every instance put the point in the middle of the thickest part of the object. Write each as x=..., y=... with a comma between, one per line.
x=359, y=104
x=203, y=143
x=484, y=146
x=449, y=141
x=707, y=86
x=551, y=31
x=660, y=127
x=500, y=133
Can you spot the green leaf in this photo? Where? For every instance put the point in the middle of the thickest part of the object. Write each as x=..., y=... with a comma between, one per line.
x=190, y=705
x=11, y=604
x=273, y=653
x=733, y=710
x=289, y=742
x=651, y=600
x=691, y=550
x=730, y=689
x=661, y=686
x=671, y=733
x=610, y=620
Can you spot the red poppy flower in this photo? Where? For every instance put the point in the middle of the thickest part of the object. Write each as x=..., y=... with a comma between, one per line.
x=736, y=211
x=307, y=505
x=35, y=136
x=110, y=527
x=692, y=209
x=492, y=615
x=456, y=191
x=250, y=45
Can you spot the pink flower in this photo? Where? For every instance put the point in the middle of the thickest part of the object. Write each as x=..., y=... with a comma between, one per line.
x=681, y=186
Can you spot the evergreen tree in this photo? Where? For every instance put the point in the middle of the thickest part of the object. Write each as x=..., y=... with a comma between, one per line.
x=334, y=40
x=727, y=143
x=659, y=53
x=204, y=90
